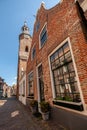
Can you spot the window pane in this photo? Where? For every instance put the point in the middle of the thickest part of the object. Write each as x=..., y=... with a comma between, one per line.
x=43, y=36
x=64, y=77
x=66, y=47
x=33, y=52
x=30, y=84
x=68, y=56
x=60, y=51
x=70, y=67
x=52, y=58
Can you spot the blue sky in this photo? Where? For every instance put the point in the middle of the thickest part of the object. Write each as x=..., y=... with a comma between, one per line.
x=13, y=13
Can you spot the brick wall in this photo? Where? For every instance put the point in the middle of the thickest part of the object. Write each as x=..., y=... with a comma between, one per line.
x=62, y=21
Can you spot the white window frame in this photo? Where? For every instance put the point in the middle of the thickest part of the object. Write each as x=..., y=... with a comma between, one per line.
x=84, y=5
x=40, y=34
x=75, y=68
x=28, y=80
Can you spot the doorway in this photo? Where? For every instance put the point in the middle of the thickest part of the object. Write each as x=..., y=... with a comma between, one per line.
x=40, y=83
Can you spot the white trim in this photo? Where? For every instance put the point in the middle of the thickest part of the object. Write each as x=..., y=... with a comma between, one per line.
x=38, y=88
x=21, y=98
x=84, y=5
x=30, y=72
x=51, y=75
x=40, y=34
x=78, y=82
x=61, y=44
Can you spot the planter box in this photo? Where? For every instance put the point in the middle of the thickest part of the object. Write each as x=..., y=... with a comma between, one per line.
x=71, y=105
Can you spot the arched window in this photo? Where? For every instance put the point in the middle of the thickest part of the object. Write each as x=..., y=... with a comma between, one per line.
x=26, y=49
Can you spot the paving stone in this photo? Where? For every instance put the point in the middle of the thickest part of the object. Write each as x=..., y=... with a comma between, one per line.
x=16, y=116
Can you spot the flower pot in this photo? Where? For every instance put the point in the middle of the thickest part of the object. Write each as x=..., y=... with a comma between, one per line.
x=34, y=109
x=45, y=116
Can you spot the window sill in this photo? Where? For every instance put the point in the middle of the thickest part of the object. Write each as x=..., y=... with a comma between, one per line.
x=71, y=105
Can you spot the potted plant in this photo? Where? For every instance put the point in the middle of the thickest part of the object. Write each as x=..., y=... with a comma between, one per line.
x=45, y=110
x=34, y=106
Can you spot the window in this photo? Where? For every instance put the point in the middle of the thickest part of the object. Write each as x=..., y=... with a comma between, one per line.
x=33, y=53
x=26, y=49
x=43, y=36
x=37, y=26
x=64, y=77
x=30, y=84
x=41, y=82
x=24, y=88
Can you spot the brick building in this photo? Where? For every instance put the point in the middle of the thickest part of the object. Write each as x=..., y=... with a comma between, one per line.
x=56, y=69
x=57, y=64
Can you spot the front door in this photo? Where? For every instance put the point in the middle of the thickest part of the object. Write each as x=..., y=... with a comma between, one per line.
x=41, y=83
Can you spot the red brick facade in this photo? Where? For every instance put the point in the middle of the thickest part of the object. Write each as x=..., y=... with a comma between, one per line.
x=63, y=21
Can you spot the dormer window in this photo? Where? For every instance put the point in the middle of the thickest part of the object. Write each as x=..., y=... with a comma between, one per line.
x=43, y=36
x=26, y=49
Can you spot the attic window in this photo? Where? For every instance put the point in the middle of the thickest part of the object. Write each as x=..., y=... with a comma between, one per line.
x=26, y=49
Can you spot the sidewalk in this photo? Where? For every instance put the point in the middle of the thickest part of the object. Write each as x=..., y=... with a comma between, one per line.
x=15, y=116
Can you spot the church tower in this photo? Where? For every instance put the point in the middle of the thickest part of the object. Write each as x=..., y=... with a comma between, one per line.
x=23, y=53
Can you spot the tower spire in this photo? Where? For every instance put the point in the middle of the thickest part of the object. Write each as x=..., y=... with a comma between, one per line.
x=25, y=28
x=25, y=23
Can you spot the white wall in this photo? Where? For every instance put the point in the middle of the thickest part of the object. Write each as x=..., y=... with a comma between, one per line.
x=22, y=93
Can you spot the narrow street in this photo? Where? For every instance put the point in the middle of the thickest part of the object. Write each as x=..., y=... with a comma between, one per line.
x=15, y=116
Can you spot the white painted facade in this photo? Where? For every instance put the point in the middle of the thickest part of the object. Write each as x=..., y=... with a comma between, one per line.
x=22, y=90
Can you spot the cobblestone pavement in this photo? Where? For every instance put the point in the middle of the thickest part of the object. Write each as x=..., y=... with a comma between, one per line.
x=15, y=116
